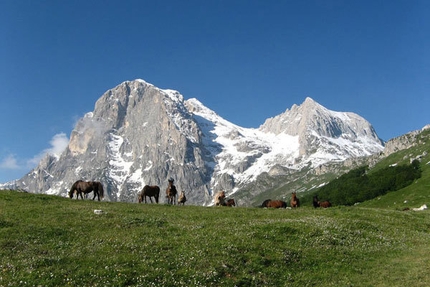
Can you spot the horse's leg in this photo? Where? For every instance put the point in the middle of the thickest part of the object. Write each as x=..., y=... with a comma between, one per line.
x=150, y=198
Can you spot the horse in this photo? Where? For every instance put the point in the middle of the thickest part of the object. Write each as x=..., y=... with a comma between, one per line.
x=230, y=202
x=323, y=204
x=219, y=198
x=171, y=192
x=150, y=191
x=315, y=202
x=86, y=187
x=295, y=202
x=182, y=199
x=274, y=204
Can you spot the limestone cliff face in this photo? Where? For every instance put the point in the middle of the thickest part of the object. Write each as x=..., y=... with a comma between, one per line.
x=139, y=134
x=404, y=141
x=320, y=128
x=136, y=135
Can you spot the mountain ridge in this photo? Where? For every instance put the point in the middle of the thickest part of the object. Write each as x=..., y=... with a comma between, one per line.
x=139, y=134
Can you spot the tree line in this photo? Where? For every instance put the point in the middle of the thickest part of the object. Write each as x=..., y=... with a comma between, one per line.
x=359, y=185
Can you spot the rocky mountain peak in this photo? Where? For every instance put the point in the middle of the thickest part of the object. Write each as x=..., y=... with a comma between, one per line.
x=139, y=134
x=315, y=124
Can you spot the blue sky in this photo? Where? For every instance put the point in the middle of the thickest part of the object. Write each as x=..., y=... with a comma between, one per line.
x=246, y=60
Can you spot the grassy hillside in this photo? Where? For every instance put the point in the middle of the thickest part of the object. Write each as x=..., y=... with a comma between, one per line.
x=416, y=194
x=53, y=241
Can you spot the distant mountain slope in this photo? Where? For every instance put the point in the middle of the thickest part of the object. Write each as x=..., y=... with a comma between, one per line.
x=139, y=134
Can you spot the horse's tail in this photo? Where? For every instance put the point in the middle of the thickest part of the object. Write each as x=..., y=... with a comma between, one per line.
x=100, y=189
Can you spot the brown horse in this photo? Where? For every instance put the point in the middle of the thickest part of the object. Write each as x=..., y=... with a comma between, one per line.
x=86, y=187
x=323, y=204
x=294, y=202
x=219, y=198
x=230, y=202
x=150, y=191
x=171, y=192
x=274, y=204
x=182, y=199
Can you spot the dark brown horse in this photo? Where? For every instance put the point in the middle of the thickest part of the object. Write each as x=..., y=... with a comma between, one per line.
x=86, y=187
x=294, y=202
x=151, y=191
x=274, y=204
x=323, y=204
x=171, y=192
x=230, y=202
x=315, y=202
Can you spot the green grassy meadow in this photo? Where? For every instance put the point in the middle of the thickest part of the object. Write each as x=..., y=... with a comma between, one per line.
x=53, y=241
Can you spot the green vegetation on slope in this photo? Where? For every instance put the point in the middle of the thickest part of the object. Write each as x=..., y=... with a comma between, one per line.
x=358, y=185
x=53, y=241
x=401, y=180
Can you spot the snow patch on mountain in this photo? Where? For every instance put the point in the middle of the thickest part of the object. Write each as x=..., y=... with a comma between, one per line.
x=120, y=163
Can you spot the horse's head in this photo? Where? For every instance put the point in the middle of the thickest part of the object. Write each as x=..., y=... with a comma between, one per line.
x=266, y=203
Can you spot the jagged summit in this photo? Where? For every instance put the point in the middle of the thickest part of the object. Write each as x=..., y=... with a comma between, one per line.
x=139, y=134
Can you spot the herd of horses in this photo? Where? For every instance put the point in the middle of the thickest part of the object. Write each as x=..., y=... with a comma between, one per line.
x=81, y=187
x=294, y=202
x=154, y=191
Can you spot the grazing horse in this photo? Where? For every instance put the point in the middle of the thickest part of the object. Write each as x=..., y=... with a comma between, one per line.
x=85, y=187
x=182, y=199
x=323, y=204
x=274, y=204
x=171, y=192
x=315, y=202
x=230, y=202
x=295, y=202
x=150, y=191
x=219, y=198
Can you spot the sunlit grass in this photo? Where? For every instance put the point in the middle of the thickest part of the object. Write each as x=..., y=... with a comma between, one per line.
x=53, y=241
